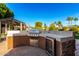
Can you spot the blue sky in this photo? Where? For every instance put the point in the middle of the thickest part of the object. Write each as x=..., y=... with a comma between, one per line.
x=44, y=12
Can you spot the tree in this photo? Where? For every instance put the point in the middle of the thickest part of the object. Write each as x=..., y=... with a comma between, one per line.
x=52, y=27
x=2, y=5
x=38, y=25
x=9, y=13
x=5, y=12
x=75, y=19
x=70, y=19
x=59, y=23
x=1, y=16
x=55, y=23
x=45, y=27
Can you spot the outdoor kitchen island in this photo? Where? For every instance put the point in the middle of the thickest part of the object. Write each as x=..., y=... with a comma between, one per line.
x=60, y=45
x=56, y=43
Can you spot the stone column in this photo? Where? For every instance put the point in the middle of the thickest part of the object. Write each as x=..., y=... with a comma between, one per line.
x=21, y=26
x=5, y=27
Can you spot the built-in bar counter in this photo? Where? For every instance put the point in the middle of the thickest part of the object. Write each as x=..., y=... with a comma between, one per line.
x=56, y=43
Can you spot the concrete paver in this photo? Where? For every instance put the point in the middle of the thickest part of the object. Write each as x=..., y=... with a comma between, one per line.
x=29, y=51
x=2, y=48
x=77, y=47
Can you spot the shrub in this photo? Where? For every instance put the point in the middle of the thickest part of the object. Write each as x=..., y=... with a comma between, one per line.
x=74, y=29
x=52, y=27
x=65, y=29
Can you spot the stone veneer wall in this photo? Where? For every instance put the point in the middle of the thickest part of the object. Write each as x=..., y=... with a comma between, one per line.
x=9, y=42
x=21, y=40
x=14, y=41
x=65, y=48
x=42, y=42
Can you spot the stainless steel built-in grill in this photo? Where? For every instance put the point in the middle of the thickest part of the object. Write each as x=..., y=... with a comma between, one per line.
x=34, y=34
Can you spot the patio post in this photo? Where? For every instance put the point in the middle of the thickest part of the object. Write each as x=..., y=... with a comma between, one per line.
x=5, y=27
x=21, y=26
x=0, y=30
x=9, y=26
x=0, y=27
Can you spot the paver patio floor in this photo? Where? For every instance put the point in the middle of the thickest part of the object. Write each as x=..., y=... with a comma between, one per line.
x=2, y=48
x=77, y=48
x=28, y=51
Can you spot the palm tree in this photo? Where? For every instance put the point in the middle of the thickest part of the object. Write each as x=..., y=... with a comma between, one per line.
x=59, y=23
x=75, y=19
x=70, y=19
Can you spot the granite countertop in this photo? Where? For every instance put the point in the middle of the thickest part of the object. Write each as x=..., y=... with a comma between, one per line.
x=51, y=35
x=54, y=35
x=57, y=37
